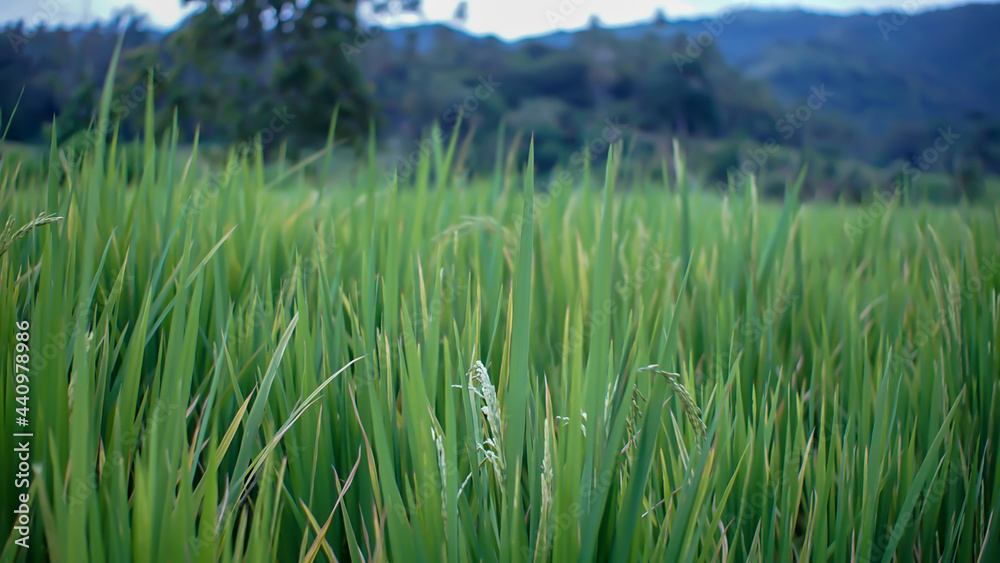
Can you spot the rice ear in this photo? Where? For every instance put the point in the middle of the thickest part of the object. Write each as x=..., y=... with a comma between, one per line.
x=7, y=238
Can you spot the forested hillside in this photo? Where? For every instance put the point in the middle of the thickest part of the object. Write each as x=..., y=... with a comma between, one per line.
x=850, y=94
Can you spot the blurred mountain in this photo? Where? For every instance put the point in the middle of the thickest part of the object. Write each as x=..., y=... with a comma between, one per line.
x=941, y=64
x=873, y=88
x=889, y=73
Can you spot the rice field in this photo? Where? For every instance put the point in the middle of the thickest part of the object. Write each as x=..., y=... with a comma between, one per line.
x=229, y=364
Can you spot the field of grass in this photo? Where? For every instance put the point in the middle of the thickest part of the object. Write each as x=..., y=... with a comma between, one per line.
x=236, y=366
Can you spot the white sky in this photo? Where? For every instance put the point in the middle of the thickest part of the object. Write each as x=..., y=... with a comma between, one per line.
x=509, y=19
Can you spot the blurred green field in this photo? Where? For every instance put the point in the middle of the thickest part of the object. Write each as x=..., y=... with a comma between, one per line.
x=228, y=364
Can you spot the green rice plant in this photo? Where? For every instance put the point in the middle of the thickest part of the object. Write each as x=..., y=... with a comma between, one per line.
x=275, y=361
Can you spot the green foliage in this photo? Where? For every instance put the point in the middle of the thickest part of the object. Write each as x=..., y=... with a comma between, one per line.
x=237, y=370
x=426, y=75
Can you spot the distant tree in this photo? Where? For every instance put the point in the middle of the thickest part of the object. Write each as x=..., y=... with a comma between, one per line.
x=969, y=177
x=255, y=58
x=461, y=12
x=854, y=185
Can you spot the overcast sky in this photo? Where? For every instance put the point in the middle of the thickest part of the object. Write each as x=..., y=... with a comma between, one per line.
x=509, y=19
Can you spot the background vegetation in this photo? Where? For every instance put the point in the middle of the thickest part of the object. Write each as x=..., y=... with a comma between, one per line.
x=725, y=86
